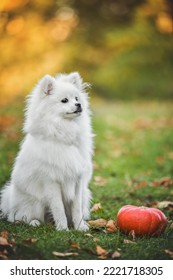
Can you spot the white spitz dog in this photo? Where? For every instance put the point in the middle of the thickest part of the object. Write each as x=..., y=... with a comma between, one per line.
x=54, y=165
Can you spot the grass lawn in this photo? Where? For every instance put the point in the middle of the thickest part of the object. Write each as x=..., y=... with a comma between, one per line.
x=133, y=155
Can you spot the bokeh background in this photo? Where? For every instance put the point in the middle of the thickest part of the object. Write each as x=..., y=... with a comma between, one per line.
x=124, y=48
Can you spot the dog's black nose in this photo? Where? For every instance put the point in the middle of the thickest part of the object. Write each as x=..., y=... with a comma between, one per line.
x=78, y=105
x=79, y=108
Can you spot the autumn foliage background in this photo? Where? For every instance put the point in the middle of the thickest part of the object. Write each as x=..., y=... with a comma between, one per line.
x=124, y=49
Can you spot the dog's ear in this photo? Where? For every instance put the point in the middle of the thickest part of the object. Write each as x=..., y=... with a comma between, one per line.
x=47, y=84
x=75, y=79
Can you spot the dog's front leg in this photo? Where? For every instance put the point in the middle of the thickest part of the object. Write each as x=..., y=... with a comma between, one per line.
x=77, y=214
x=57, y=209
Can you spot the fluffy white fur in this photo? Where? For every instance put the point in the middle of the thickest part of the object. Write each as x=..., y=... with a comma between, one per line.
x=54, y=165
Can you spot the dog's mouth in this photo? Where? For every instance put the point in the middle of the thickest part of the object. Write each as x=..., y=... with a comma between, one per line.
x=79, y=110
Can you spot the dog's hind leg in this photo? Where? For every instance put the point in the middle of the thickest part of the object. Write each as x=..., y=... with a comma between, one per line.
x=20, y=206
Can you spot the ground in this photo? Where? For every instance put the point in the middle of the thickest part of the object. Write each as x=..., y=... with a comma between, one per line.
x=133, y=164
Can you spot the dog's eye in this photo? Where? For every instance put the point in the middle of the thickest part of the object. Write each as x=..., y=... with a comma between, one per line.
x=65, y=100
x=76, y=98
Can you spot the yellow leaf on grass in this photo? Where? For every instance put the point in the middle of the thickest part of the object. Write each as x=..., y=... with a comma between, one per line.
x=164, y=181
x=100, y=181
x=96, y=239
x=170, y=253
x=74, y=245
x=30, y=241
x=115, y=255
x=98, y=223
x=88, y=234
x=59, y=254
x=127, y=241
x=170, y=155
x=102, y=253
x=4, y=234
x=3, y=241
x=140, y=185
x=164, y=204
x=3, y=256
x=111, y=226
x=96, y=207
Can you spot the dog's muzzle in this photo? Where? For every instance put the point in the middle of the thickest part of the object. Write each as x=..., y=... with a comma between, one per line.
x=79, y=108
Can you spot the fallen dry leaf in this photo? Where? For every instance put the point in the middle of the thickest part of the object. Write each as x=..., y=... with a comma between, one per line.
x=6, y=122
x=5, y=246
x=170, y=253
x=96, y=239
x=102, y=253
x=164, y=204
x=96, y=165
x=3, y=256
x=5, y=252
x=3, y=241
x=127, y=241
x=100, y=181
x=96, y=207
x=74, y=245
x=59, y=254
x=143, y=123
x=160, y=160
x=164, y=181
x=171, y=225
x=170, y=155
x=148, y=123
x=30, y=241
x=88, y=235
x=140, y=185
x=111, y=226
x=115, y=255
x=12, y=241
x=132, y=234
x=4, y=234
x=98, y=223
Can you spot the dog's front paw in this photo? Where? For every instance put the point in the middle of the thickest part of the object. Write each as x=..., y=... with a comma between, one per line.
x=61, y=227
x=34, y=223
x=82, y=226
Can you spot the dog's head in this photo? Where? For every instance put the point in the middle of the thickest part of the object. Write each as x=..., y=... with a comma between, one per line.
x=64, y=94
x=55, y=99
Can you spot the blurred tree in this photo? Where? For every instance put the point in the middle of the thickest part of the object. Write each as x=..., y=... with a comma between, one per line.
x=108, y=41
x=170, y=7
x=97, y=16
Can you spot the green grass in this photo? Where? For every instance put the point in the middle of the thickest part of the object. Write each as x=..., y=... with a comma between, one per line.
x=133, y=144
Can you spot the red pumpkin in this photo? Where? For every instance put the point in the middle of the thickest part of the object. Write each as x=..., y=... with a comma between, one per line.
x=142, y=220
